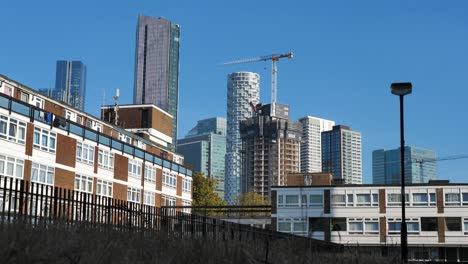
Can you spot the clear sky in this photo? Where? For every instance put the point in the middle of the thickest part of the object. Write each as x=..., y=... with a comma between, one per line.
x=346, y=55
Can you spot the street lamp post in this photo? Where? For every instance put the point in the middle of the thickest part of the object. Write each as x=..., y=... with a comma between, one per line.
x=402, y=89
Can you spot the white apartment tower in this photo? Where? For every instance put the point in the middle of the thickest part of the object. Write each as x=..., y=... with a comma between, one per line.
x=311, y=145
x=242, y=88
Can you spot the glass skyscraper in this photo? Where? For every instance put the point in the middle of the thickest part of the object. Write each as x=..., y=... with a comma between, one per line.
x=204, y=148
x=341, y=154
x=70, y=84
x=157, y=66
x=420, y=166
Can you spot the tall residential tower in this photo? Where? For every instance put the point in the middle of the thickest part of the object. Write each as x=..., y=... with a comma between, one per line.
x=270, y=149
x=157, y=66
x=420, y=166
x=341, y=154
x=242, y=89
x=311, y=146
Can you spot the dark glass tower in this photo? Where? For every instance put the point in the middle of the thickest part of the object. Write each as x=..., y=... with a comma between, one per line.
x=70, y=84
x=157, y=66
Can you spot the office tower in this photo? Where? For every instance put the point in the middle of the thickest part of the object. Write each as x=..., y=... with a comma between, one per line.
x=204, y=148
x=341, y=154
x=311, y=145
x=70, y=84
x=242, y=89
x=420, y=166
x=270, y=149
x=157, y=66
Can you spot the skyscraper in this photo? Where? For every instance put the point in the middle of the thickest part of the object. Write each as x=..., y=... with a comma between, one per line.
x=341, y=154
x=242, y=88
x=270, y=149
x=157, y=66
x=204, y=148
x=311, y=145
x=70, y=84
x=419, y=166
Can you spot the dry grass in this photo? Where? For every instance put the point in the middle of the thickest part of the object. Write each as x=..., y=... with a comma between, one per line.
x=59, y=244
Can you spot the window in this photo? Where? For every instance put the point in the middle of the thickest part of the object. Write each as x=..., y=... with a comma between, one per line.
x=25, y=97
x=452, y=199
x=168, y=201
x=284, y=226
x=169, y=179
x=432, y=199
x=148, y=198
x=98, y=127
x=304, y=200
x=375, y=199
x=363, y=199
x=134, y=169
x=106, y=159
x=316, y=200
x=428, y=224
x=186, y=203
x=420, y=199
x=350, y=199
x=355, y=226
x=186, y=185
x=85, y=153
x=465, y=226
x=42, y=174
x=371, y=225
x=316, y=224
x=38, y=102
x=70, y=115
x=338, y=224
x=465, y=198
x=11, y=167
x=125, y=138
x=133, y=194
x=84, y=183
x=292, y=200
x=104, y=188
x=394, y=225
x=280, y=200
x=44, y=139
x=12, y=129
x=150, y=173
x=453, y=224
x=394, y=199
x=338, y=199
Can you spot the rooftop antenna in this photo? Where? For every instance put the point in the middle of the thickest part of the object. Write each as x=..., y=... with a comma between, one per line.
x=116, y=105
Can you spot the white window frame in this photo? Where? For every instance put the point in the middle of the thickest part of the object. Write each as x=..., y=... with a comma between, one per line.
x=104, y=188
x=186, y=203
x=343, y=203
x=11, y=166
x=133, y=194
x=24, y=97
x=408, y=221
x=125, y=138
x=169, y=179
x=186, y=185
x=105, y=159
x=361, y=204
x=70, y=115
x=43, y=139
x=150, y=173
x=149, y=198
x=452, y=203
x=314, y=204
x=85, y=153
x=84, y=183
x=19, y=129
x=42, y=174
x=134, y=168
x=36, y=101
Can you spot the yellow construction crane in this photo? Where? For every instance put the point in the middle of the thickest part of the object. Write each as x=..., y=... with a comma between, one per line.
x=274, y=71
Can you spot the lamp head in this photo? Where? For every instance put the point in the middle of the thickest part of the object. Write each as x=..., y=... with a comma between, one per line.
x=401, y=88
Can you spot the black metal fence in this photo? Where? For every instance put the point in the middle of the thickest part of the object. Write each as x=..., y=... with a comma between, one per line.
x=39, y=204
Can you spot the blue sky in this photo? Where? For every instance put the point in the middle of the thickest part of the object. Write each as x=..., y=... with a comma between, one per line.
x=346, y=55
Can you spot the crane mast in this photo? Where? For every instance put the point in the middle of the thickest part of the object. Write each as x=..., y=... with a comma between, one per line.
x=274, y=71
